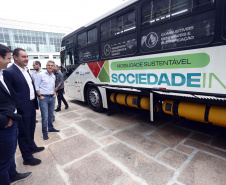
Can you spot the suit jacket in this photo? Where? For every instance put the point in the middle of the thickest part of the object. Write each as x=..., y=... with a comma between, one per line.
x=18, y=82
x=7, y=105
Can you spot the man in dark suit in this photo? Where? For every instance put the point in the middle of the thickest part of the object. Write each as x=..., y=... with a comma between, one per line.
x=19, y=78
x=8, y=126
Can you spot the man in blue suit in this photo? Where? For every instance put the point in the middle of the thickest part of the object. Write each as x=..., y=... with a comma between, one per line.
x=8, y=126
x=19, y=78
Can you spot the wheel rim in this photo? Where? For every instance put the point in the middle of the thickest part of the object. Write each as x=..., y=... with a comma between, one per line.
x=94, y=97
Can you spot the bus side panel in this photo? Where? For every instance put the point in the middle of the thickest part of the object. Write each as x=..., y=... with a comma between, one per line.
x=198, y=70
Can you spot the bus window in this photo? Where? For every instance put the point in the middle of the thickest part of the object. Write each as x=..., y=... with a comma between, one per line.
x=114, y=27
x=180, y=7
x=118, y=25
x=188, y=31
x=160, y=10
x=155, y=11
x=68, y=58
x=92, y=36
x=126, y=22
x=82, y=39
x=106, y=30
x=129, y=21
x=197, y=3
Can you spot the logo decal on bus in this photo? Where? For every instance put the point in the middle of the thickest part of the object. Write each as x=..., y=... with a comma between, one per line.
x=107, y=49
x=150, y=40
x=100, y=70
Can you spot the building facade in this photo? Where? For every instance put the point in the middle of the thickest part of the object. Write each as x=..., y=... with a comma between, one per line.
x=31, y=37
x=40, y=41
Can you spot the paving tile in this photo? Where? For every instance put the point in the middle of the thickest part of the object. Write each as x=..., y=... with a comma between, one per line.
x=107, y=140
x=38, y=117
x=196, y=126
x=170, y=135
x=17, y=150
x=128, y=181
x=90, y=127
x=102, y=134
x=53, y=137
x=59, y=124
x=93, y=170
x=45, y=173
x=219, y=142
x=173, y=158
x=205, y=148
x=91, y=115
x=141, y=128
x=122, y=116
x=81, y=111
x=143, y=118
x=70, y=131
x=185, y=149
x=150, y=147
x=139, y=164
x=201, y=138
x=72, y=148
x=204, y=169
x=68, y=116
x=115, y=124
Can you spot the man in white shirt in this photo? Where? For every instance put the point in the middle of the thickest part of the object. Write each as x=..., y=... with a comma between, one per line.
x=8, y=126
x=37, y=70
x=19, y=78
x=45, y=88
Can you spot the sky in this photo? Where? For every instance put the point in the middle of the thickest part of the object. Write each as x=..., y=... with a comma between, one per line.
x=64, y=13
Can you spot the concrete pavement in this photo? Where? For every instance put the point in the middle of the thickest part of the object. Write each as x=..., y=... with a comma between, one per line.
x=126, y=149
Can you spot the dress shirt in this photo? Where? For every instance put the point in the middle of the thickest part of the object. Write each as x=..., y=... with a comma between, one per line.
x=29, y=81
x=45, y=83
x=35, y=74
x=3, y=82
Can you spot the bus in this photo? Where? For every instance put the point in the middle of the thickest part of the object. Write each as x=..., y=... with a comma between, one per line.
x=164, y=56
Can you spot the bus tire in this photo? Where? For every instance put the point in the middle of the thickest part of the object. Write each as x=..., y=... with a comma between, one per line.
x=94, y=99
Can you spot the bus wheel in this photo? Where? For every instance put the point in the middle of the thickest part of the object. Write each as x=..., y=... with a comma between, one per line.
x=94, y=99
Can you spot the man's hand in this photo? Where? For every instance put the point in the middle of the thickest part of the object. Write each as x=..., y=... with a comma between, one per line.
x=10, y=123
x=41, y=97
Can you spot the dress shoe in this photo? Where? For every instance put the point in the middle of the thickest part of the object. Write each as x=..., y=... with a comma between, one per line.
x=45, y=136
x=20, y=177
x=37, y=149
x=32, y=162
x=53, y=130
x=66, y=107
x=58, y=109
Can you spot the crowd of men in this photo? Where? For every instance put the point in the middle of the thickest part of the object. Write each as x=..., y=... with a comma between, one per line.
x=21, y=94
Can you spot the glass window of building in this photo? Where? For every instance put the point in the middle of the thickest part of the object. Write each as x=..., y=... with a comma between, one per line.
x=32, y=56
x=44, y=56
x=56, y=56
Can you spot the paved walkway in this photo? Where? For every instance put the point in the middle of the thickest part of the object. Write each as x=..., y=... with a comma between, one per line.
x=126, y=149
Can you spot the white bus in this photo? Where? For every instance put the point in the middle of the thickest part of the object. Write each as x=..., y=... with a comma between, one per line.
x=158, y=55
